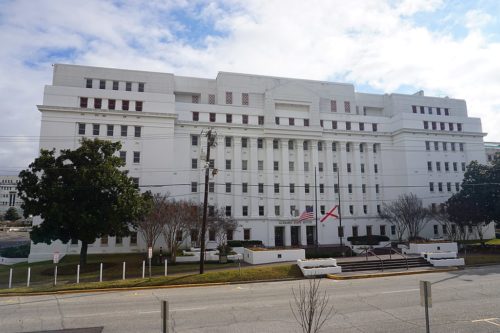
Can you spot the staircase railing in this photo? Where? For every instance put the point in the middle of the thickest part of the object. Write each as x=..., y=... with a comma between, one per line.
x=391, y=249
x=380, y=259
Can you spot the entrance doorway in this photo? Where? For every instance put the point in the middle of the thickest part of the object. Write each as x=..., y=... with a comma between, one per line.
x=279, y=236
x=295, y=235
x=311, y=234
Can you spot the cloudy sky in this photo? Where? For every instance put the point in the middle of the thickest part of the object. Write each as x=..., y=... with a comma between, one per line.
x=447, y=48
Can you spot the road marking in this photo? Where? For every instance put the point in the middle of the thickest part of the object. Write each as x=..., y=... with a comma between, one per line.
x=399, y=291
x=487, y=320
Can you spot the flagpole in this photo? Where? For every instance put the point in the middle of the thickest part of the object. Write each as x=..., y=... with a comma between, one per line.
x=316, y=208
x=341, y=231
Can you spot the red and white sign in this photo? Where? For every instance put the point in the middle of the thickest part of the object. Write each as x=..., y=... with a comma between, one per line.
x=330, y=214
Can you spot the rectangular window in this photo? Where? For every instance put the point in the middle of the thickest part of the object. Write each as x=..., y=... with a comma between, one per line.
x=244, y=142
x=348, y=167
x=276, y=188
x=321, y=188
x=244, y=187
x=138, y=106
x=110, y=130
x=244, y=119
x=349, y=188
x=431, y=186
x=196, y=116
x=361, y=147
x=291, y=121
x=137, y=131
x=427, y=145
x=445, y=146
x=228, y=164
x=246, y=234
x=306, y=166
x=211, y=235
x=95, y=129
x=448, y=187
x=440, y=187
x=306, y=188
x=140, y=87
x=436, y=146
x=97, y=103
x=261, y=210
x=88, y=83
x=276, y=166
x=260, y=143
x=463, y=166
x=321, y=122
x=333, y=105
x=211, y=99
x=194, y=163
x=81, y=129
x=277, y=120
x=305, y=145
x=441, y=126
x=212, y=117
x=291, y=166
x=244, y=212
x=426, y=125
x=446, y=166
x=244, y=165
x=228, y=187
x=102, y=84
x=320, y=146
x=194, y=187
x=351, y=209
x=361, y=126
x=211, y=187
x=306, y=122
x=261, y=120
x=290, y=144
x=455, y=166
x=128, y=86
x=228, y=210
x=363, y=188
x=365, y=209
x=261, y=187
x=194, y=140
x=450, y=126
x=335, y=167
x=414, y=108
x=260, y=165
x=457, y=187
x=244, y=99
x=348, y=125
x=334, y=124
x=133, y=238
x=430, y=109
x=123, y=156
x=334, y=146
x=195, y=99
x=276, y=144
x=336, y=188
x=229, y=97
x=228, y=140
x=429, y=166
x=374, y=127
x=377, y=188
x=434, y=127
x=84, y=102
x=438, y=166
x=292, y=188
x=354, y=231
x=115, y=85
x=422, y=110
x=125, y=105
x=137, y=157
x=446, y=112
x=347, y=106
x=320, y=166
x=111, y=104
x=229, y=118
x=461, y=146
x=362, y=168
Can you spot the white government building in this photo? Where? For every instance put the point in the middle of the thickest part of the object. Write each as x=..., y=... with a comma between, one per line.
x=272, y=133
x=8, y=194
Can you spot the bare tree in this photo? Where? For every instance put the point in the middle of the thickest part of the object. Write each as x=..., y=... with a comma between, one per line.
x=310, y=307
x=176, y=228
x=220, y=224
x=443, y=218
x=407, y=213
x=151, y=224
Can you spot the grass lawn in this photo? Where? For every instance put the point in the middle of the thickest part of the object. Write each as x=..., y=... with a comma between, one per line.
x=42, y=272
x=477, y=259
x=278, y=271
x=494, y=241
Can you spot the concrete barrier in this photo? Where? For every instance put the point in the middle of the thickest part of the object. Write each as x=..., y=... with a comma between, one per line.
x=265, y=256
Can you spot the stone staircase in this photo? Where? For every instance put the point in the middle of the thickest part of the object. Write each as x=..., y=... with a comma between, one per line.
x=383, y=265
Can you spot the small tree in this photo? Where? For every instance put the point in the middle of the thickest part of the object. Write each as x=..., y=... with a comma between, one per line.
x=220, y=224
x=443, y=218
x=310, y=307
x=151, y=224
x=406, y=213
x=11, y=214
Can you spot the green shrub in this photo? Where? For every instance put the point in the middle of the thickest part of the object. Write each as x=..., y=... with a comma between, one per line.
x=244, y=243
x=21, y=251
x=367, y=240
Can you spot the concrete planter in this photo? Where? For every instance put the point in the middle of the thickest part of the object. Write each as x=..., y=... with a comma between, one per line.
x=318, y=267
x=447, y=262
x=417, y=248
x=269, y=256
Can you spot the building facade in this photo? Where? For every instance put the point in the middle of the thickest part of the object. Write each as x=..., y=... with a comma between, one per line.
x=8, y=194
x=276, y=139
x=492, y=150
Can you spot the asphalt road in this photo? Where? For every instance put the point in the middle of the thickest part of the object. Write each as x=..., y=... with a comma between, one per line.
x=463, y=301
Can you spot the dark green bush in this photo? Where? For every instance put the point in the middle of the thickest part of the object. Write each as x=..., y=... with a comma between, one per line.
x=367, y=240
x=21, y=251
x=244, y=243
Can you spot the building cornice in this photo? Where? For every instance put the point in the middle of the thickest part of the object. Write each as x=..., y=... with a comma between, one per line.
x=66, y=109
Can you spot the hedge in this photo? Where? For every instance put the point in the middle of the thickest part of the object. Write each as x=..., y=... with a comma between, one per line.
x=244, y=243
x=367, y=240
x=21, y=251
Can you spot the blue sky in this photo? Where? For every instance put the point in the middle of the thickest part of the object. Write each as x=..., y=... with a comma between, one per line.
x=446, y=48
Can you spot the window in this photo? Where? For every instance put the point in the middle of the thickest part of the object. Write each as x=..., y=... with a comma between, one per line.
x=194, y=140
x=361, y=147
x=291, y=166
x=305, y=145
x=211, y=210
x=441, y=126
x=463, y=166
x=429, y=166
x=228, y=210
x=244, y=119
x=320, y=166
x=211, y=235
x=321, y=122
x=138, y=106
x=276, y=144
x=354, y=231
x=228, y=187
x=97, y=103
x=461, y=146
x=228, y=164
x=261, y=187
x=448, y=187
x=125, y=105
x=244, y=99
x=363, y=188
x=228, y=141
x=434, y=127
x=336, y=188
x=290, y=144
x=450, y=126
x=140, y=87
x=88, y=83
x=382, y=230
x=378, y=209
x=440, y=187
x=194, y=163
x=431, y=186
x=212, y=117
x=333, y=105
x=426, y=125
x=334, y=124
x=322, y=209
x=211, y=99
x=292, y=188
x=261, y=210
x=321, y=188
x=260, y=165
x=374, y=127
x=347, y=106
x=128, y=86
x=334, y=146
x=414, y=108
x=427, y=145
x=457, y=187
x=349, y=188
x=455, y=166
x=446, y=166
x=196, y=116
x=347, y=147
x=137, y=131
x=277, y=120
x=261, y=120
x=306, y=122
x=229, y=118
x=244, y=187
x=306, y=188
x=95, y=129
x=377, y=188
x=430, y=109
x=348, y=125
x=276, y=166
x=276, y=188
x=320, y=146
x=137, y=157
x=229, y=97
x=452, y=146
x=365, y=209
x=102, y=84
x=335, y=168
x=306, y=166
x=422, y=110
x=84, y=102
x=260, y=143
x=133, y=238
x=351, y=209
x=438, y=166
x=436, y=146
x=244, y=212
x=291, y=121
x=361, y=126
x=194, y=187
x=81, y=129
x=375, y=168
x=244, y=165
x=123, y=156
x=348, y=167
x=195, y=99
x=111, y=104
x=211, y=187
x=246, y=234
x=244, y=142
x=445, y=146
x=115, y=85
x=446, y=112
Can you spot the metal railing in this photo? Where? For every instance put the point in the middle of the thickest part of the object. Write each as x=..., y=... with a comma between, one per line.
x=369, y=250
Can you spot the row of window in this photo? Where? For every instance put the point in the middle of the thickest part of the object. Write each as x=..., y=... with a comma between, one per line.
x=430, y=110
x=111, y=104
x=348, y=125
x=291, y=187
x=212, y=117
x=110, y=130
x=115, y=85
x=446, y=166
x=444, y=145
x=7, y=188
x=136, y=156
x=440, y=187
x=442, y=126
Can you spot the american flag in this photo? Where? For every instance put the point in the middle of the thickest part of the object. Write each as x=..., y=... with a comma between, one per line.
x=307, y=214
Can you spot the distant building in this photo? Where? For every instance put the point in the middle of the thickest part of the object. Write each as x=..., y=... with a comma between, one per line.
x=492, y=149
x=273, y=135
x=8, y=194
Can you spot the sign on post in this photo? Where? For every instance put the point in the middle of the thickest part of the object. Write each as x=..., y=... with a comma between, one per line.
x=426, y=301
x=56, y=257
x=150, y=252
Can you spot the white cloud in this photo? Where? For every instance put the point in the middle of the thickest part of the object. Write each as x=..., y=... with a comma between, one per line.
x=373, y=42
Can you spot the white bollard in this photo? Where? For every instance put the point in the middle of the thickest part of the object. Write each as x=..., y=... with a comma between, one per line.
x=77, y=274
x=10, y=278
x=29, y=277
x=143, y=269
x=100, y=273
x=165, y=266
x=55, y=275
x=123, y=275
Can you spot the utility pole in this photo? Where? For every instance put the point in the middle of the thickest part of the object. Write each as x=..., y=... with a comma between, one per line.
x=316, y=208
x=210, y=143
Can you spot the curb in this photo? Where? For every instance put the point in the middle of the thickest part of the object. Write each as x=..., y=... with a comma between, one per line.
x=379, y=275
x=98, y=290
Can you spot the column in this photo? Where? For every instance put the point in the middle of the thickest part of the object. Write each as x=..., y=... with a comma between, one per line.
x=220, y=164
x=269, y=179
x=237, y=177
x=299, y=187
x=344, y=180
x=285, y=180
x=357, y=181
x=253, y=210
